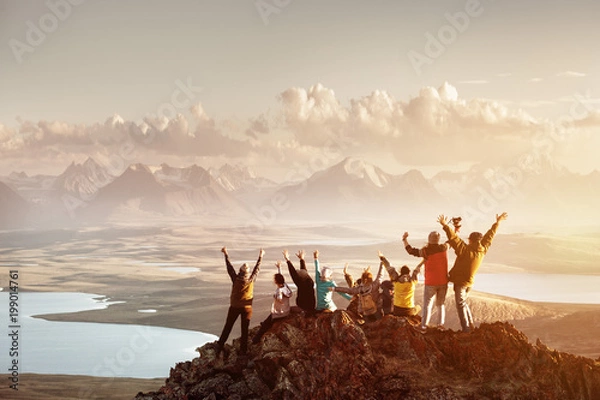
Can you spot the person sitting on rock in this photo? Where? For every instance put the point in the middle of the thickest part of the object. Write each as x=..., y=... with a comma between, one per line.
x=305, y=298
x=242, y=293
x=436, y=275
x=404, y=288
x=323, y=278
x=353, y=305
x=280, y=307
x=365, y=293
x=387, y=297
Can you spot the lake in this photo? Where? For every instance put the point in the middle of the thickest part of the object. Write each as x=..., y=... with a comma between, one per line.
x=553, y=288
x=96, y=349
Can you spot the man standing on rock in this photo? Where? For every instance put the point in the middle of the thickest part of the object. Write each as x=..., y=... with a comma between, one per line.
x=242, y=294
x=436, y=276
x=468, y=259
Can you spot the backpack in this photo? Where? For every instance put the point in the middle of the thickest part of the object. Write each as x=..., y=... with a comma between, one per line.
x=367, y=304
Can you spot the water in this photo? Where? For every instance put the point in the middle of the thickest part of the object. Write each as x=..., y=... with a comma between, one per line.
x=553, y=288
x=96, y=349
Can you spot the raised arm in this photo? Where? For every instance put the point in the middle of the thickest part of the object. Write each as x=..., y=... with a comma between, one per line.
x=348, y=277
x=379, y=277
x=300, y=255
x=254, y=273
x=291, y=269
x=409, y=249
x=230, y=269
x=317, y=271
x=486, y=241
x=454, y=241
x=391, y=270
x=417, y=271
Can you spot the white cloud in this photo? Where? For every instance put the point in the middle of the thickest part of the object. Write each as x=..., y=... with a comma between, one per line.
x=311, y=130
x=571, y=74
x=535, y=80
x=435, y=127
x=314, y=115
x=474, y=82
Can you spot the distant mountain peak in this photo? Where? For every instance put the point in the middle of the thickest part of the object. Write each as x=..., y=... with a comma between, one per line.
x=139, y=167
x=360, y=169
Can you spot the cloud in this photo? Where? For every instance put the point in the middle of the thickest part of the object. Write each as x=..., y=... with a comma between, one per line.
x=436, y=127
x=571, y=74
x=45, y=140
x=535, y=80
x=474, y=82
x=315, y=115
x=259, y=125
x=311, y=130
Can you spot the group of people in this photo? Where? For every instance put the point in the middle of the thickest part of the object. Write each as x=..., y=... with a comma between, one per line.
x=370, y=297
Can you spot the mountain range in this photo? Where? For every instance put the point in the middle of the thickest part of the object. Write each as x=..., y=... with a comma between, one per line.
x=352, y=189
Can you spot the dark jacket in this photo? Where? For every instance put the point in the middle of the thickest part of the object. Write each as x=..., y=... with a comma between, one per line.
x=305, y=299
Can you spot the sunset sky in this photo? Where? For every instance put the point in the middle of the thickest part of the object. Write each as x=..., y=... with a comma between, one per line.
x=427, y=84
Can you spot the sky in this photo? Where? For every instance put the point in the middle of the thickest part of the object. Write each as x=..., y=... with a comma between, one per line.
x=274, y=83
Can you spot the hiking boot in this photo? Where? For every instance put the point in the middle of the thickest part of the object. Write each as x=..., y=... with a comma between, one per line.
x=421, y=329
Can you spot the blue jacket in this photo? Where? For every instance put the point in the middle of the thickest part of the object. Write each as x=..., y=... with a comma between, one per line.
x=324, y=295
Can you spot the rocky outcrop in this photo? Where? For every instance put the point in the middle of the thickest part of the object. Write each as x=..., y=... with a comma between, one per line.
x=333, y=357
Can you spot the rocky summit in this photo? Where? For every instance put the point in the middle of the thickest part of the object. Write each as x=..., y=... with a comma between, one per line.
x=331, y=356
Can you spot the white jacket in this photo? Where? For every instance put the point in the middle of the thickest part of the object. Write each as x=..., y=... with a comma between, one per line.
x=281, y=302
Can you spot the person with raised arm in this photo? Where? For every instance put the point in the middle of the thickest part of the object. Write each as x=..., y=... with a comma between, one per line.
x=323, y=278
x=305, y=298
x=436, y=276
x=404, y=288
x=281, y=304
x=240, y=301
x=365, y=293
x=468, y=260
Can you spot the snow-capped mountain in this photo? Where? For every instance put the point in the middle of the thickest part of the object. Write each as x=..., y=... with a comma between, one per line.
x=239, y=178
x=83, y=180
x=354, y=188
x=192, y=190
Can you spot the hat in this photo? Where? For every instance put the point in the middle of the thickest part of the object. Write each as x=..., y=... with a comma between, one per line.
x=475, y=236
x=433, y=238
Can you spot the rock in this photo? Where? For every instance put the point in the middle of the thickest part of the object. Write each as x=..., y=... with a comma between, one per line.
x=332, y=357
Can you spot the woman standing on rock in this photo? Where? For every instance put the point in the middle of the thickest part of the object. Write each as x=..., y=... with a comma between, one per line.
x=242, y=293
x=280, y=307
